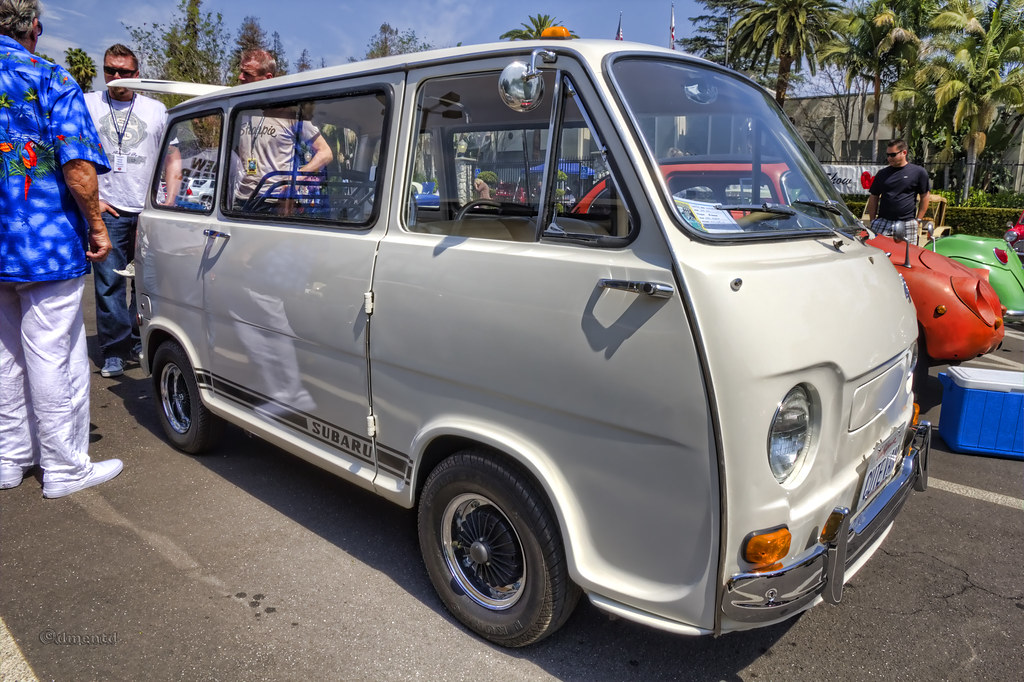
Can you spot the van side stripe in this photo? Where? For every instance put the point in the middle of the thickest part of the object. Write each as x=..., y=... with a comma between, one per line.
x=341, y=439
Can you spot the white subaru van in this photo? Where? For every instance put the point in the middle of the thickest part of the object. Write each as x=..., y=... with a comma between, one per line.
x=591, y=306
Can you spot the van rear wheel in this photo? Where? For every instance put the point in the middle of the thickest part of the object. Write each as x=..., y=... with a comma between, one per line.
x=493, y=550
x=188, y=424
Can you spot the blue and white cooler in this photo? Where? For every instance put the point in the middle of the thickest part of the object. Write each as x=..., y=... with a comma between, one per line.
x=983, y=411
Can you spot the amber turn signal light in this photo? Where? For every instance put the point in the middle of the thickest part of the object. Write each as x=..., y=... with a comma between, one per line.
x=558, y=32
x=765, y=549
x=831, y=529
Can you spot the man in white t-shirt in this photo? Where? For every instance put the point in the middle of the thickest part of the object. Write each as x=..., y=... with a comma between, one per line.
x=131, y=127
x=274, y=141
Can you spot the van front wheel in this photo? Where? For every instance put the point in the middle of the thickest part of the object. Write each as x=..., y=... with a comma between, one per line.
x=493, y=550
x=185, y=420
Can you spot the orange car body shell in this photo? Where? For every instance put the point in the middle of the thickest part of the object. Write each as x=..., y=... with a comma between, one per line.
x=958, y=311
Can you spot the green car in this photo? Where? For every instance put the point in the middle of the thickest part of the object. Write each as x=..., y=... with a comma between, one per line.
x=1005, y=272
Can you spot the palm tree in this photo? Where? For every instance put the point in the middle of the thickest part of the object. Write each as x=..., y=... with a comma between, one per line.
x=533, y=30
x=872, y=44
x=81, y=67
x=791, y=31
x=980, y=67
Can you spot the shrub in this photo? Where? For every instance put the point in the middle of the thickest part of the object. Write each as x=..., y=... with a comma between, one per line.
x=952, y=198
x=490, y=177
x=856, y=206
x=983, y=222
x=979, y=199
x=1007, y=200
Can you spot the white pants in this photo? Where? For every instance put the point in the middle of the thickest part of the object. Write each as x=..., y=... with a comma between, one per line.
x=44, y=379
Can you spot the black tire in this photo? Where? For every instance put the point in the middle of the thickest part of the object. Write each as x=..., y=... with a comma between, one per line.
x=185, y=420
x=511, y=585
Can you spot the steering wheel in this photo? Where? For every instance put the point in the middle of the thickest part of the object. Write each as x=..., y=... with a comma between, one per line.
x=477, y=203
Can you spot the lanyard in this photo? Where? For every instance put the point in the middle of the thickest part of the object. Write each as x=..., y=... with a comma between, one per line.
x=113, y=120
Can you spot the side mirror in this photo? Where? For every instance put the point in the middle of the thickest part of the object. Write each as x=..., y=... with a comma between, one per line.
x=899, y=234
x=521, y=86
x=519, y=91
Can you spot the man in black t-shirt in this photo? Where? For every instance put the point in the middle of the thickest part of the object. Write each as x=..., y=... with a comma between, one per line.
x=903, y=190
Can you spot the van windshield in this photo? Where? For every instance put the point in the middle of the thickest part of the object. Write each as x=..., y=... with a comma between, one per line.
x=732, y=164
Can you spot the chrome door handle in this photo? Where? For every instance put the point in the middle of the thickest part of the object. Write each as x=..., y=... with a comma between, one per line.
x=652, y=289
x=214, y=233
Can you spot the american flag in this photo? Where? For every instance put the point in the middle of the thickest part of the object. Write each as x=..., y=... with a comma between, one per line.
x=618, y=33
x=672, y=29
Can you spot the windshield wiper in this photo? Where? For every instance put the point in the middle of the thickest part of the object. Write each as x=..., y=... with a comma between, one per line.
x=775, y=209
x=823, y=205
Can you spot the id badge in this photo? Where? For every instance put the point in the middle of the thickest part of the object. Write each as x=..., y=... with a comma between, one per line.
x=250, y=166
x=120, y=163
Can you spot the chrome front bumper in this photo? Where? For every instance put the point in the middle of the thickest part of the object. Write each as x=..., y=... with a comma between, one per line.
x=766, y=597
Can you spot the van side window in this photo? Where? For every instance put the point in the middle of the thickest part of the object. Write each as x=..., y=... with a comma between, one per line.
x=308, y=160
x=187, y=178
x=583, y=200
x=478, y=165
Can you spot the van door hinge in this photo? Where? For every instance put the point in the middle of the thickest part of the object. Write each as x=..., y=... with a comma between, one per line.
x=371, y=425
x=368, y=302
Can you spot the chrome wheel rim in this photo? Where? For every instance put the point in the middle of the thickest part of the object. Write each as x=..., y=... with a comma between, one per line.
x=483, y=551
x=174, y=397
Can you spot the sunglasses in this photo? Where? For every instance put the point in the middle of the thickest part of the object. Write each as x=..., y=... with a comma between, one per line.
x=120, y=73
x=892, y=154
x=40, y=25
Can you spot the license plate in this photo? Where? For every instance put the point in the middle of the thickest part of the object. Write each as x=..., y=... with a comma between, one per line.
x=881, y=465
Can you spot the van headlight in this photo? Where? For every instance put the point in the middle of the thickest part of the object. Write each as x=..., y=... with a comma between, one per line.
x=792, y=433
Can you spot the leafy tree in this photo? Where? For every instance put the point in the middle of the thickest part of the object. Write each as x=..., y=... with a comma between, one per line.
x=835, y=112
x=790, y=31
x=81, y=67
x=304, y=63
x=980, y=67
x=43, y=55
x=250, y=36
x=710, y=38
x=872, y=44
x=191, y=48
x=533, y=30
x=391, y=41
x=277, y=49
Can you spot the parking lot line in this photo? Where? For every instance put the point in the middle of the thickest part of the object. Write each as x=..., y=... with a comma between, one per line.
x=13, y=665
x=977, y=493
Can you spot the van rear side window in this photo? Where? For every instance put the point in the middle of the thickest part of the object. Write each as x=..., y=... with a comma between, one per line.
x=311, y=160
x=187, y=178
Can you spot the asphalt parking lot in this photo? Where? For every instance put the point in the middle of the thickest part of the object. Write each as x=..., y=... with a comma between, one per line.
x=251, y=564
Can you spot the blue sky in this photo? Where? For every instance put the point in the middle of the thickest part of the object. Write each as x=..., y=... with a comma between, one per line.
x=338, y=29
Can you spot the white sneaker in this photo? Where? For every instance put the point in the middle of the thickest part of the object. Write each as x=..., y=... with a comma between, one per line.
x=101, y=473
x=129, y=270
x=11, y=475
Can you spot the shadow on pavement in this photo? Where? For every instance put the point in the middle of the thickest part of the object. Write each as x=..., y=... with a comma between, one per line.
x=590, y=646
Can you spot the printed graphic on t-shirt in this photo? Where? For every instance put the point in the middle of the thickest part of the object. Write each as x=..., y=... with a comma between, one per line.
x=134, y=132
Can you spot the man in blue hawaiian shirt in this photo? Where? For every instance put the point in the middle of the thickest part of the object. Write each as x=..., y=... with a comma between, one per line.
x=50, y=230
